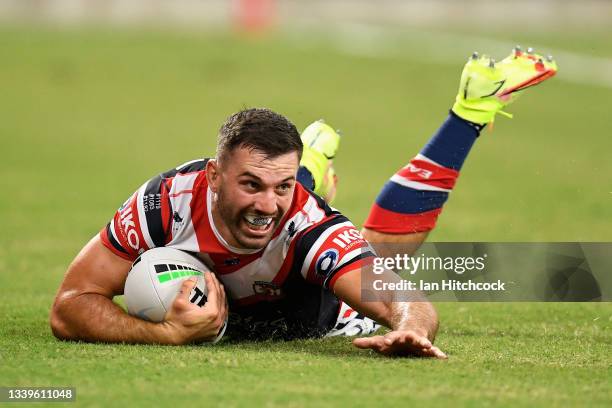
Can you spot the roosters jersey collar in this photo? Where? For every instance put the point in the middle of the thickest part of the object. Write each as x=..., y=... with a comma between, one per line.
x=222, y=241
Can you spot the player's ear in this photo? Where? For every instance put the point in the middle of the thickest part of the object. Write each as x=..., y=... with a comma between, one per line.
x=212, y=175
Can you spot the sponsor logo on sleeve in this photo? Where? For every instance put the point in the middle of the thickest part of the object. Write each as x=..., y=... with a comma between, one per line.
x=129, y=228
x=348, y=238
x=327, y=262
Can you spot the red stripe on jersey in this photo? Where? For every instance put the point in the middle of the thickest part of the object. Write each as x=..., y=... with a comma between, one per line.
x=348, y=268
x=166, y=210
x=429, y=173
x=390, y=222
x=207, y=240
x=199, y=211
x=127, y=230
x=106, y=242
x=287, y=264
x=278, y=280
x=181, y=192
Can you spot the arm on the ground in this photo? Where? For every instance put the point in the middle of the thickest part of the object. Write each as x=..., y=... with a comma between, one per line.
x=387, y=245
x=84, y=309
x=413, y=321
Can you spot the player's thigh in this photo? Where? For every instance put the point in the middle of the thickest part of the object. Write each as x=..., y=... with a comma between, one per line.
x=389, y=245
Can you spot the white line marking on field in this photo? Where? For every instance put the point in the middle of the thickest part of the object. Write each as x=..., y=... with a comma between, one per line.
x=446, y=48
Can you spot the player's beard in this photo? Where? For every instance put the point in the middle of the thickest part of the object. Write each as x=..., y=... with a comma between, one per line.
x=235, y=222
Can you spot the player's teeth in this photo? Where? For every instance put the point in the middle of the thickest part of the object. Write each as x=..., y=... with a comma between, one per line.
x=529, y=50
x=259, y=221
x=475, y=55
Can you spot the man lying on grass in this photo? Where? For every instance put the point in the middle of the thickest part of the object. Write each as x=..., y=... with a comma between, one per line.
x=288, y=264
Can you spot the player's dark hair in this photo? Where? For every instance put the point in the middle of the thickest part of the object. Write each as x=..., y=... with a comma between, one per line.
x=259, y=129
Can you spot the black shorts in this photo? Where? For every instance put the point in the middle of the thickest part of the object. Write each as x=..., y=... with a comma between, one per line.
x=306, y=311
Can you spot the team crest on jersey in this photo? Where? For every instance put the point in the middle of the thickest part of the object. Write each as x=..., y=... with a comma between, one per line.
x=177, y=217
x=326, y=262
x=177, y=222
x=291, y=229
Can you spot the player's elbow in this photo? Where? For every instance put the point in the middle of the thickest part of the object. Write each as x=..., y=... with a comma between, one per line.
x=59, y=327
x=59, y=322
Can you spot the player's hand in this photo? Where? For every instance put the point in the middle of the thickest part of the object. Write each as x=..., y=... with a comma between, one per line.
x=400, y=343
x=187, y=323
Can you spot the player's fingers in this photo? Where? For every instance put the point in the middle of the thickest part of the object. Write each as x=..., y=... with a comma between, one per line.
x=418, y=340
x=213, y=293
x=364, y=342
x=376, y=343
x=186, y=288
x=224, y=307
x=438, y=353
x=407, y=337
x=434, y=352
x=392, y=337
x=220, y=291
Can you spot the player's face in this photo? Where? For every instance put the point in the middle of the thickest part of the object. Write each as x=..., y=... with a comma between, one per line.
x=253, y=193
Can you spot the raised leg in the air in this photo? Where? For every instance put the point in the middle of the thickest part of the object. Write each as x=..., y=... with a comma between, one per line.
x=409, y=204
x=411, y=201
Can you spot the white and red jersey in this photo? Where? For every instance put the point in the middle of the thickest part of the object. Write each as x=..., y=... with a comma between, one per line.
x=314, y=243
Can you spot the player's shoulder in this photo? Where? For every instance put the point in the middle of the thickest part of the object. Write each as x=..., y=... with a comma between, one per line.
x=306, y=200
x=189, y=176
x=327, y=242
x=192, y=166
x=317, y=217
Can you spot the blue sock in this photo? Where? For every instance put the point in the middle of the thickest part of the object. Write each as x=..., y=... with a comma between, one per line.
x=412, y=199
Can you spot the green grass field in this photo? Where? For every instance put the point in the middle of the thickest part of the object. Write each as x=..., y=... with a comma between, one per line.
x=88, y=115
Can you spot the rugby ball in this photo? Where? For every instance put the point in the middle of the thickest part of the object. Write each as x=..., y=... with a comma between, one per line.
x=155, y=279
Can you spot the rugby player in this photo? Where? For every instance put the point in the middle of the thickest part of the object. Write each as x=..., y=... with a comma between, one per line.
x=289, y=264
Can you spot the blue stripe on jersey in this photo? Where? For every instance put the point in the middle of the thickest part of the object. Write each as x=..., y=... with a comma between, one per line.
x=152, y=204
x=451, y=144
x=405, y=200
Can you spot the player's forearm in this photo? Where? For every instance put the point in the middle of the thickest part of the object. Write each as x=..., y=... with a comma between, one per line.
x=420, y=317
x=95, y=318
x=407, y=310
x=395, y=310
